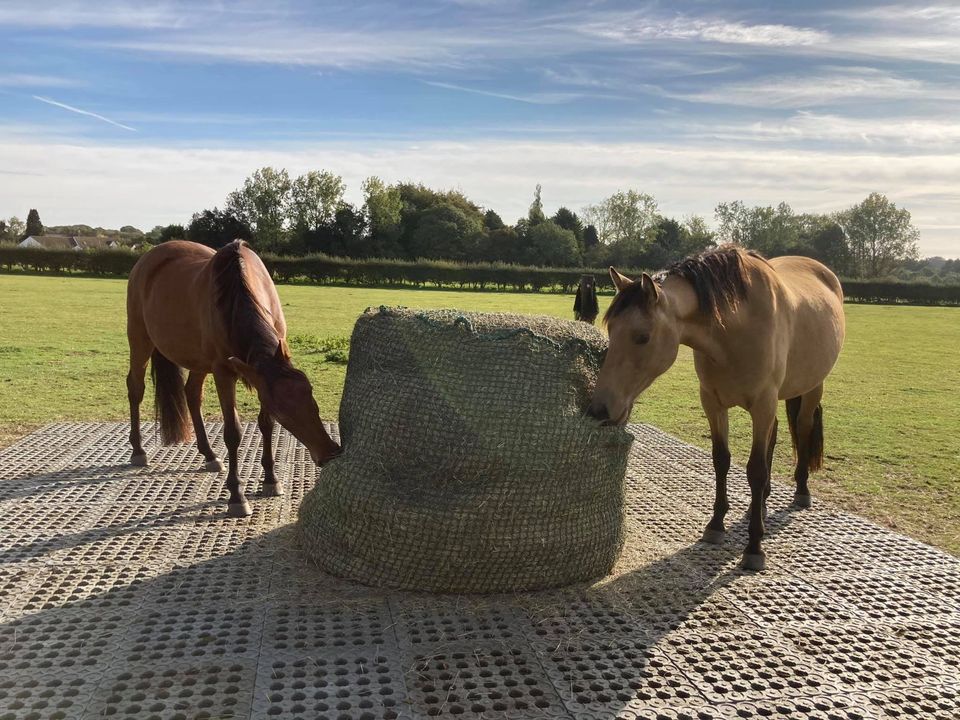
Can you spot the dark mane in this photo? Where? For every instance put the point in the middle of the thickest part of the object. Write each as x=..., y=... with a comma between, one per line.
x=719, y=279
x=250, y=331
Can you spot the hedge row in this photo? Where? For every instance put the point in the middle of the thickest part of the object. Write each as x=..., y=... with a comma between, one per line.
x=892, y=293
x=337, y=271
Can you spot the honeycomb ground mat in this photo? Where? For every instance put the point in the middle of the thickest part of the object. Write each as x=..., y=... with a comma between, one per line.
x=127, y=593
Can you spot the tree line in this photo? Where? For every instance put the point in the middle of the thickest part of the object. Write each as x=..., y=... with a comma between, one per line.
x=308, y=214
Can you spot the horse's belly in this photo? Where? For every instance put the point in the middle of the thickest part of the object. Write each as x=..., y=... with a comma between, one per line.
x=177, y=336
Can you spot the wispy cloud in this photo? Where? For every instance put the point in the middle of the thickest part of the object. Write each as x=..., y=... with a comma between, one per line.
x=78, y=13
x=28, y=80
x=537, y=98
x=87, y=113
x=641, y=27
x=826, y=86
x=902, y=135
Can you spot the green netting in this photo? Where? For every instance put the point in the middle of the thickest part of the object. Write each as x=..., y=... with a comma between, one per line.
x=468, y=463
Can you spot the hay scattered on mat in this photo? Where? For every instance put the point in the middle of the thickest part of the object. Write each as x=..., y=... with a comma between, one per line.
x=468, y=463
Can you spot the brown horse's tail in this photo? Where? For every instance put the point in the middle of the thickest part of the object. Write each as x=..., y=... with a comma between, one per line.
x=171, y=400
x=815, y=441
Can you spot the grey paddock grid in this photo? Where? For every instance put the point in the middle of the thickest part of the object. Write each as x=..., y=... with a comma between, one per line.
x=127, y=593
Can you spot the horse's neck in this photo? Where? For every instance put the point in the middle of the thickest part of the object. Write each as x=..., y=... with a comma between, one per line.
x=695, y=331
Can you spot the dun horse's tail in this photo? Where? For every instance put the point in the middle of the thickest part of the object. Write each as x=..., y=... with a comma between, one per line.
x=815, y=441
x=171, y=400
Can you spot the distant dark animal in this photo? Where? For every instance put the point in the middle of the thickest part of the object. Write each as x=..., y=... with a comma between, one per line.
x=216, y=312
x=585, y=306
x=761, y=331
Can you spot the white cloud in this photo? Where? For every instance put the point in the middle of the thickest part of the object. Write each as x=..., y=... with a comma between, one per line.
x=87, y=113
x=538, y=98
x=643, y=28
x=79, y=13
x=116, y=185
x=828, y=87
x=940, y=135
x=28, y=80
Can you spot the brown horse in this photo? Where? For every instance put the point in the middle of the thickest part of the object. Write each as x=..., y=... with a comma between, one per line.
x=761, y=331
x=215, y=312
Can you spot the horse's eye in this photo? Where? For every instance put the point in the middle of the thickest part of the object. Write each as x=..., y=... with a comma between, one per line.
x=641, y=338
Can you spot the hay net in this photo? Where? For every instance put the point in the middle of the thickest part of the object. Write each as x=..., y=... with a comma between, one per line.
x=468, y=463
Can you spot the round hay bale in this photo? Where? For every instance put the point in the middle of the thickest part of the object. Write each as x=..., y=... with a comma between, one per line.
x=469, y=464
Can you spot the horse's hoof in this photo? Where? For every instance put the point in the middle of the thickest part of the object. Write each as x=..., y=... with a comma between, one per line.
x=139, y=460
x=714, y=537
x=272, y=490
x=213, y=465
x=753, y=561
x=239, y=510
x=802, y=501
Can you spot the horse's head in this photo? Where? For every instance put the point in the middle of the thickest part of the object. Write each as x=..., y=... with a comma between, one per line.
x=287, y=395
x=644, y=341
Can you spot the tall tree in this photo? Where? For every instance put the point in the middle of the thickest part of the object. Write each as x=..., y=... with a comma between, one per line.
x=535, y=214
x=569, y=220
x=262, y=203
x=699, y=236
x=172, y=232
x=624, y=216
x=549, y=244
x=879, y=234
x=771, y=230
x=215, y=228
x=492, y=221
x=590, y=237
x=34, y=226
x=313, y=199
x=16, y=230
x=384, y=208
x=444, y=232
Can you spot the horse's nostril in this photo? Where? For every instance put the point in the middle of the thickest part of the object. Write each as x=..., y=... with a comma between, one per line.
x=598, y=412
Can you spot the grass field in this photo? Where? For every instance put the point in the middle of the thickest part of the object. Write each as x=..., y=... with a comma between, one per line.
x=891, y=407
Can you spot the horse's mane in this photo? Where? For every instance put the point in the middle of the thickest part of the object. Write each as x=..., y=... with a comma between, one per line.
x=250, y=332
x=719, y=279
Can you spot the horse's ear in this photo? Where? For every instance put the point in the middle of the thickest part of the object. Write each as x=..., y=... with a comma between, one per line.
x=251, y=378
x=650, y=288
x=619, y=281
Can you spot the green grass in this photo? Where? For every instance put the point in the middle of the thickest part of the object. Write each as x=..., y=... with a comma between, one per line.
x=891, y=406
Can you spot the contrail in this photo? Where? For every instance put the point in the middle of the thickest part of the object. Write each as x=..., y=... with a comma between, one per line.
x=48, y=101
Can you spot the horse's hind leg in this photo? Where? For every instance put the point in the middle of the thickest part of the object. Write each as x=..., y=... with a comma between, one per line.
x=194, y=391
x=802, y=413
x=227, y=392
x=770, y=448
x=718, y=417
x=271, y=486
x=140, y=349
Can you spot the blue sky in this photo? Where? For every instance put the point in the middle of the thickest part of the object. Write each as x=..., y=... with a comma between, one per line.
x=119, y=112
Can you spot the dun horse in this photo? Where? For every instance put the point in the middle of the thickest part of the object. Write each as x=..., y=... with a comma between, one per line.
x=215, y=312
x=761, y=331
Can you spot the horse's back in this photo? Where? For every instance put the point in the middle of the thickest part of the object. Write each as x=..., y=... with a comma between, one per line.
x=167, y=301
x=811, y=306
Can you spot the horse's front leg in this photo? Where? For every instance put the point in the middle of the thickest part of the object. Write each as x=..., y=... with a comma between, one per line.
x=764, y=415
x=271, y=486
x=718, y=417
x=227, y=391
